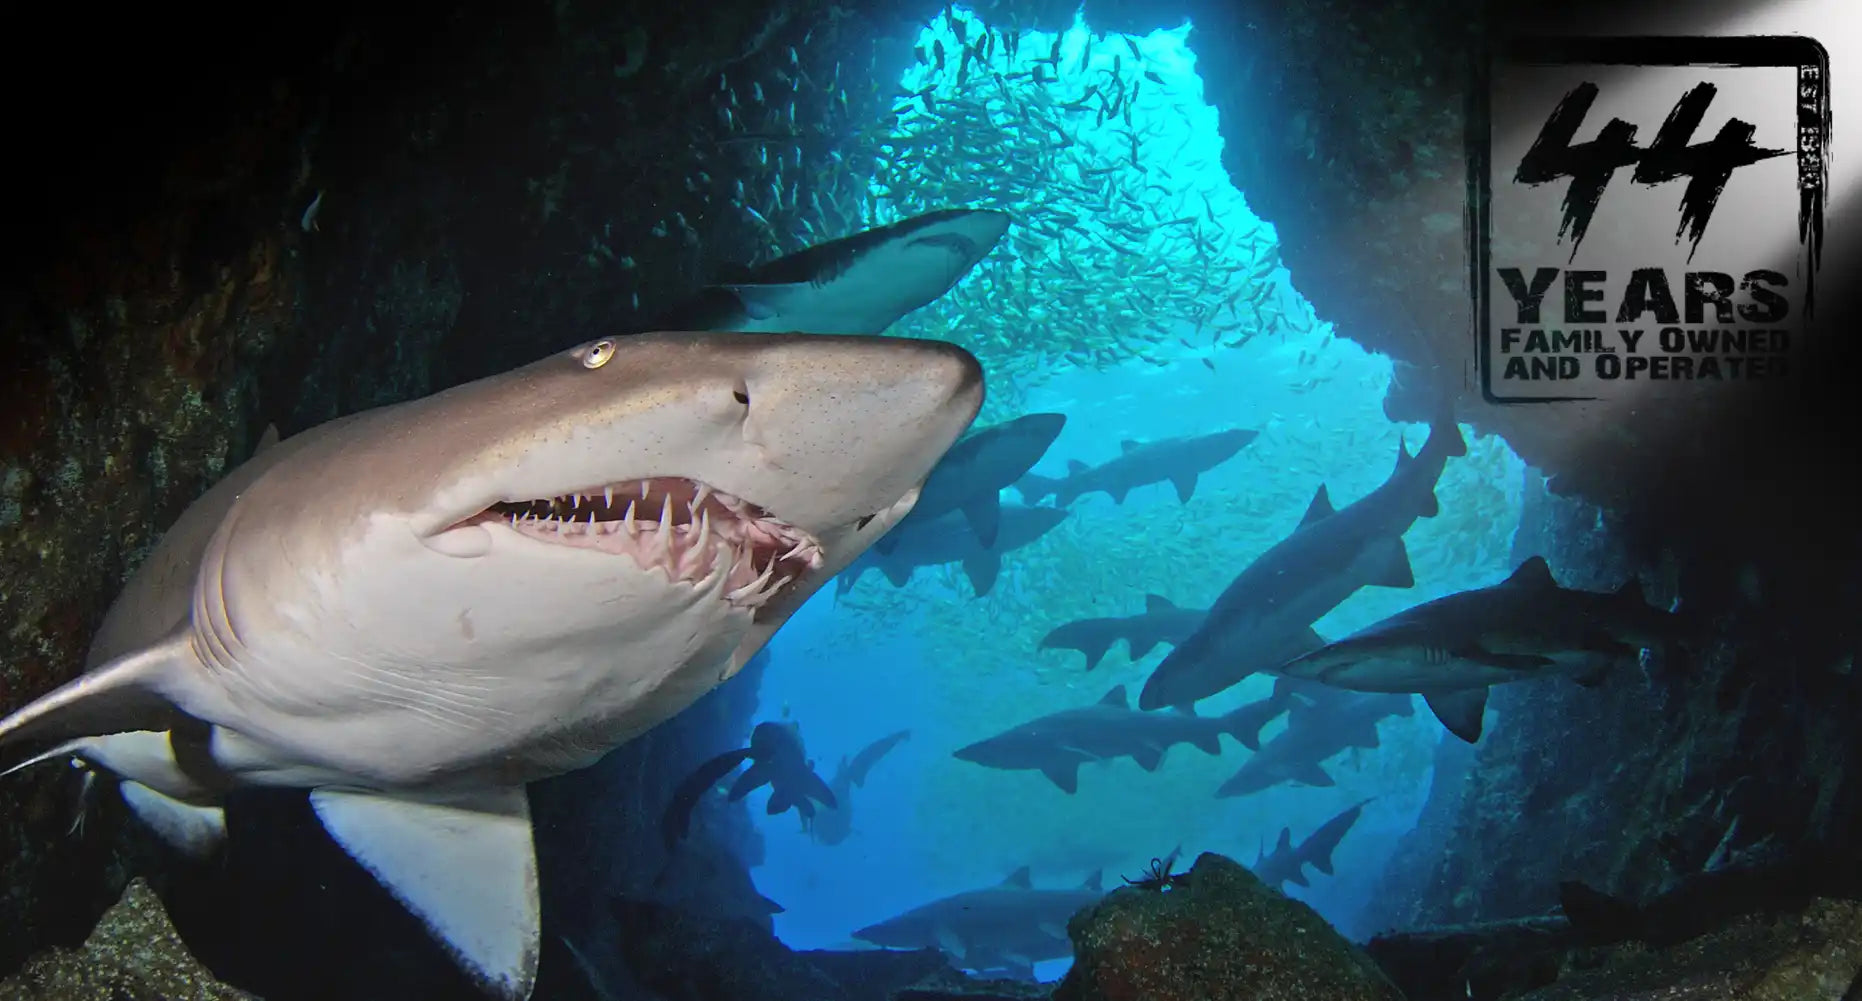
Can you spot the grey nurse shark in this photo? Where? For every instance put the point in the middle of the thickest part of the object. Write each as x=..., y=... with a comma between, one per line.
x=974, y=472
x=415, y=610
x=1010, y=926
x=860, y=284
x=1315, y=731
x=1160, y=622
x=833, y=824
x=1287, y=863
x=1452, y=649
x=1271, y=605
x=1178, y=461
x=949, y=539
x=1056, y=745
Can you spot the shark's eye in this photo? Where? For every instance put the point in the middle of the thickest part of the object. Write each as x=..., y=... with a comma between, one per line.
x=598, y=354
x=742, y=393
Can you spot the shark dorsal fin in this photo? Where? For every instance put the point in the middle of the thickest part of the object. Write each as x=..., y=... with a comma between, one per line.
x=1156, y=603
x=1128, y=445
x=1115, y=697
x=1095, y=882
x=1535, y=572
x=1021, y=879
x=1632, y=590
x=1319, y=509
x=266, y=439
x=1286, y=840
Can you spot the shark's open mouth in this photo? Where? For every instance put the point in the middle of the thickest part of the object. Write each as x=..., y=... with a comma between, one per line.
x=687, y=529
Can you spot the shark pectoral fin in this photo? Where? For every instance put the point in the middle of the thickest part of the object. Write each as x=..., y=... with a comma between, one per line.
x=1066, y=776
x=1459, y=710
x=194, y=831
x=1186, y=486
x=1208, y=743
x=762, y=302
x=982, y=570
x=126, y=694
x=820, y=790
x=778, y=802
x=1148, y=757
x=948, y=941
x=756, y=775
x=1313, y=774
x=900, y=574
x=464, y=865
x=1117, y=494
x=984, y=515
x=1396, y=571
x=1299, y=878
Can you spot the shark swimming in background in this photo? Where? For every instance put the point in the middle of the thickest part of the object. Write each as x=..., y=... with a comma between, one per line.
x=1315, y=732
x=1056, y=745
x=1160, y=622
x=777, y=759
x=975, y=471
x=1272, y=604
x=416, y=610
x=1178, y=461
x=833, y=824
x=1287, y=863
x=1527, y=627
x=1009, y=927
x=860, y=284
x=949, y=540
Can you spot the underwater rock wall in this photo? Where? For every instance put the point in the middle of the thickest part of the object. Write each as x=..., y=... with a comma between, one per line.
x=487, y=183
x=1343, y=124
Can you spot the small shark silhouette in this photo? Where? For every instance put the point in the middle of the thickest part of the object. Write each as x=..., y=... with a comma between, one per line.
x=777, y=760
x=1178, y=461
x=860, y=284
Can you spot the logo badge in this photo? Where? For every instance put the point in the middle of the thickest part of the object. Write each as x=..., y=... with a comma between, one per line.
x=1645, y=212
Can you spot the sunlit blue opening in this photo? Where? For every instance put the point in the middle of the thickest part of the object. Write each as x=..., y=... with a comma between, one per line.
x=954, y=668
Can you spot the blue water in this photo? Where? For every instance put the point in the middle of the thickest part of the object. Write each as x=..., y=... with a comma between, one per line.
x=955, y=668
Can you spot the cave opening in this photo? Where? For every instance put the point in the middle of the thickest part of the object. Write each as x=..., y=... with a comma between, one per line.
x=1139, y=295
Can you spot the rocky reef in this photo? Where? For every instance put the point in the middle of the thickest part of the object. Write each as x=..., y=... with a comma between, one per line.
x=134, y=954
x=1214, y=933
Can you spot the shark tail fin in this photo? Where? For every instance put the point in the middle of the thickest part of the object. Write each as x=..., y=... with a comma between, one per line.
x=869, y=756
x=125, y=694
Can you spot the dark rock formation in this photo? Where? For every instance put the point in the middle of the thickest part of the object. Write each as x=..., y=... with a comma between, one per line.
x=132, y=955
x=1811, y=955
x=682, y=956
x=1216, y=933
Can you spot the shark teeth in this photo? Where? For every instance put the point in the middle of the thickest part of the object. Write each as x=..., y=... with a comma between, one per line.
x=687, y=530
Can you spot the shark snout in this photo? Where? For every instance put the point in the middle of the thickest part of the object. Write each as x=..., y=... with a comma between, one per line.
x=855, y=423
